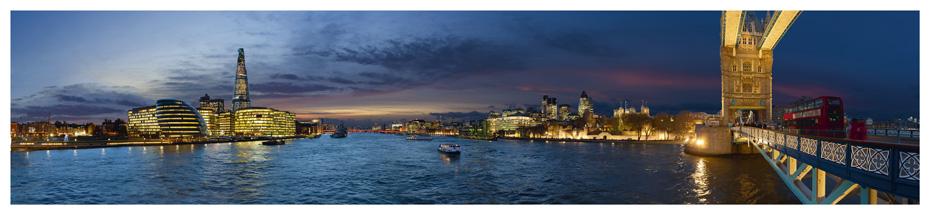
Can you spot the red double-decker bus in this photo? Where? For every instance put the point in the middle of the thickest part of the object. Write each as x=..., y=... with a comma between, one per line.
x=822, y=116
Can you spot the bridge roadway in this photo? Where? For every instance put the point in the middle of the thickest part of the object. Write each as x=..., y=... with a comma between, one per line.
x=871, y=167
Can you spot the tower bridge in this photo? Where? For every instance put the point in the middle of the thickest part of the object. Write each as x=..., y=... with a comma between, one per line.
x=746, y=62
x=880, y=172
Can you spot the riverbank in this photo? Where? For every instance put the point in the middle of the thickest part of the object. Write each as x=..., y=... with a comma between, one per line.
x=596, y=140
x=121, y=143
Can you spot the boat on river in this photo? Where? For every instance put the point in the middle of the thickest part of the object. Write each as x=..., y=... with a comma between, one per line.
x=273, y=142
x=341, y=132
x=419, y=138
x=450, y=148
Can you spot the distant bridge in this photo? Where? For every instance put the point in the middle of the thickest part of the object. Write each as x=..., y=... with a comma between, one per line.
x=865, y=166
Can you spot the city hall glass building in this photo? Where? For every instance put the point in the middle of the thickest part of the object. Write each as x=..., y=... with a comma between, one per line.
x=177, y=120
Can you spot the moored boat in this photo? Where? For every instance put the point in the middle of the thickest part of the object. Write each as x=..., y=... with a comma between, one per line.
x=273, y=142
x=450, y=148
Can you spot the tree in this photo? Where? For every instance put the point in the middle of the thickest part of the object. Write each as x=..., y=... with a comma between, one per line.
x=613, y=125
x=638, y=122
x=664, y=122
x=684, y=124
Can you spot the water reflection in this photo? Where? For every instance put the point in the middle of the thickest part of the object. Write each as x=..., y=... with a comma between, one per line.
x=700, y=180
x=247, y=152
x=448, y=159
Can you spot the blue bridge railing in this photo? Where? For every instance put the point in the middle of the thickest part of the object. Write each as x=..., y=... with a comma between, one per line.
x=891, y=168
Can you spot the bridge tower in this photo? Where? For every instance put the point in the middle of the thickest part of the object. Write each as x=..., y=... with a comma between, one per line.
x=746, y=62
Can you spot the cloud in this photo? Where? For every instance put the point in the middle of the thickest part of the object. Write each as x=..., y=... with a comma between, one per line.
x=578, y=42
x=418, y=61
x=63, y=111
x=295, y=77
x=285, y=76
x=285, y=88
x=192, y=81
x=78, y=101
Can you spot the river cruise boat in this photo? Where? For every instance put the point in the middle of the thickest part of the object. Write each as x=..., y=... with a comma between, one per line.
x=449, y=148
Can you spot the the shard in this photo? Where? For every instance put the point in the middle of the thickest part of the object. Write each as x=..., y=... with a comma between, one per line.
x=241, y=96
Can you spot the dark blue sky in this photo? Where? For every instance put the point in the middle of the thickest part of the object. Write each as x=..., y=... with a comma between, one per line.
x=90, y=65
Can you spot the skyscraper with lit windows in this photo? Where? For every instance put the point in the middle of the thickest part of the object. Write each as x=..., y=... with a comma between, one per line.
x=241, y=97
x=584, y=104
x=214, y=104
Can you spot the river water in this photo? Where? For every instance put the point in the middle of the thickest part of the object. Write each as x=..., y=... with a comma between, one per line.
x=387, y=169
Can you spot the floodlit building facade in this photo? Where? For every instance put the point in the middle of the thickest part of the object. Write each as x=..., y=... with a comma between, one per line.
x=510, y=122
x=224, y=124
x=210, y=119
x=260, y=121
x=143, y=123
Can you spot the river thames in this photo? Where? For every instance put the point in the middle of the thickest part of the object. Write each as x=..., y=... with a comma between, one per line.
x=387, y=169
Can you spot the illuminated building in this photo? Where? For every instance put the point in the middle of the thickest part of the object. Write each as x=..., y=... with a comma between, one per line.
x=544, y=106
x=210, y=119
x=514, y=111
x=313, y=127
x=65, y=129
x=549, y=108
x=143, y=123
x=563, y=111
x=241, y=96
x=584, y=104
x=224, y=124
x=177, y=120
x=509, y=122
x=624, y=109
x=260, y=121
x=416, y=126
x=644, y=108
x=215, y=105
x=14, y=130
x=397, y=126
x=35, y=130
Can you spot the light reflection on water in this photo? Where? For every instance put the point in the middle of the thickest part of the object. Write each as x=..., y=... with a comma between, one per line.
x=371, y=168
x=701, y=187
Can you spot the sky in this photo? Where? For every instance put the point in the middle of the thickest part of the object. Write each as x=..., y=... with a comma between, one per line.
x=389, y=65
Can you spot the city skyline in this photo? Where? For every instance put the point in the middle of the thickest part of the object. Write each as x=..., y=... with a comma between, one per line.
x=387, y=64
